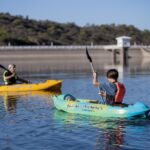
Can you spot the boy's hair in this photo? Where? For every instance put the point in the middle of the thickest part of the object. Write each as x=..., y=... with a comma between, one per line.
x=112, y=73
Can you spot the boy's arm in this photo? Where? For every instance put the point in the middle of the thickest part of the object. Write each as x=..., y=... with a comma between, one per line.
x=95, y=79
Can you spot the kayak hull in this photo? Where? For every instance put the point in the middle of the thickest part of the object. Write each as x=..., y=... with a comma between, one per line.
x=47, y=85
x=85, y=107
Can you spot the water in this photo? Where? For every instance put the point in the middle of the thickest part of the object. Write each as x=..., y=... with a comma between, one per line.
x=28, y=120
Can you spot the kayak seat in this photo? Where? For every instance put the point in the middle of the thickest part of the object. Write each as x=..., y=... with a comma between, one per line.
x=121, y=105
x=69, y=97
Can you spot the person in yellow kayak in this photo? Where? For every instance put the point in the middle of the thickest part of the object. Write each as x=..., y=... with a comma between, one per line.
x=10, y=77
x=112, y=90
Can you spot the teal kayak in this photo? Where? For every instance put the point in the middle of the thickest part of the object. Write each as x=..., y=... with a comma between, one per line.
x=87, y=107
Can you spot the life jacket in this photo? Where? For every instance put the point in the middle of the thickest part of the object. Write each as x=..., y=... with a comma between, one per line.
x=11, y=80
x=120, y=92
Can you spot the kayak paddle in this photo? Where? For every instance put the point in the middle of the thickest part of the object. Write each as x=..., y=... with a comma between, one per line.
x=90, y=60
x=92, y=68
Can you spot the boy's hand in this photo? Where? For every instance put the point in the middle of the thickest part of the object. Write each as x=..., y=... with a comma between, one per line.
x=14, y=74
x=102, y=93
x=95, y=75
x=95, y=79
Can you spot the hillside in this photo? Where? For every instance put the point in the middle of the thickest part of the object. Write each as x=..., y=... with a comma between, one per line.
x=17, y=30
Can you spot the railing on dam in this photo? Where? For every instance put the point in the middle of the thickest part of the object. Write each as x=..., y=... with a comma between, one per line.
x=69, y=47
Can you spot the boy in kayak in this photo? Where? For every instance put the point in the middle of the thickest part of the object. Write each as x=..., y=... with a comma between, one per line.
x=112, y=90
x=10, y=77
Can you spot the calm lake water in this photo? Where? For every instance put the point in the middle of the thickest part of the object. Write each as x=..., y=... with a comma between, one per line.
x=28, y=120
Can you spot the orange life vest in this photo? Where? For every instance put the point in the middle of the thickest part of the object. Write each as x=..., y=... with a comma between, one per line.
x=120, y=92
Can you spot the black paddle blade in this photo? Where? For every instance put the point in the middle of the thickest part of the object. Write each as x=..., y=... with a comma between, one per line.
x=88, y=56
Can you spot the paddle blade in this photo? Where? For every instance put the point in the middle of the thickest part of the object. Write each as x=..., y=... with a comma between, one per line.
x=88, y=56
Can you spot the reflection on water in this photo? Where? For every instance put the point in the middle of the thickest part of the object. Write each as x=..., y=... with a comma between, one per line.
x=11, y=98
x=10, y=103
x=107, y=134
x=109, y=130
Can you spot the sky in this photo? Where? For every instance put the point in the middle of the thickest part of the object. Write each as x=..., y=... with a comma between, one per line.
x=83, y=12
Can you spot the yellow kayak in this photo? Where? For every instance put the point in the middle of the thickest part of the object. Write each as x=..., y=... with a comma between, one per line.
x=47, y=85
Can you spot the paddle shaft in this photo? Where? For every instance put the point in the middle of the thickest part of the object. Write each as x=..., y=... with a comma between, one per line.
x=1, y=66
x=93, y=70
x=92, y=67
